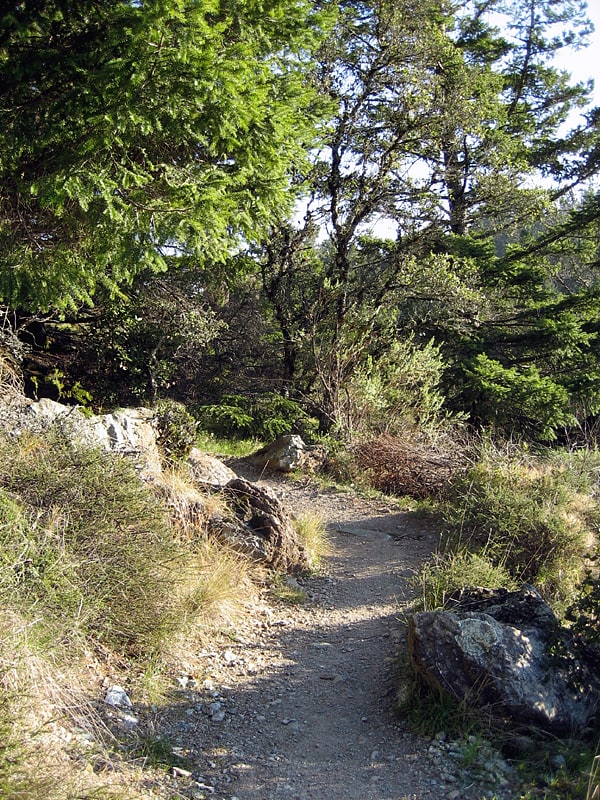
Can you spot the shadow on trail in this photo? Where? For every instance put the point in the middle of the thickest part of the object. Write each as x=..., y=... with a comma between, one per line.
x=306, y=710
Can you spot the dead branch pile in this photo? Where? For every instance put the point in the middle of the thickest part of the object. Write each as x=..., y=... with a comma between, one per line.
x=409, y=465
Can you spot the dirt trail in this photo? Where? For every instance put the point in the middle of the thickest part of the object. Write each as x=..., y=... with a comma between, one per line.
x=300, y=705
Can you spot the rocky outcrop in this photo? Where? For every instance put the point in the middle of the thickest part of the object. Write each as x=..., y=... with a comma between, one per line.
x=257, y=525
x=507, y=650
x=261, y=528
x=125, y=431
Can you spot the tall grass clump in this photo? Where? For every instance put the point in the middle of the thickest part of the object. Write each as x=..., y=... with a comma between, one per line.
x=445, y=574
x=312, y=535
x=536, y=517
x=83, y=540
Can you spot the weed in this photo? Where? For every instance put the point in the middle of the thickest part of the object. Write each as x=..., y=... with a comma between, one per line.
x=446, y=573
x=216, y=584
x=176, y=428
x=287, y=590
x=312, y=535
x=86, y=540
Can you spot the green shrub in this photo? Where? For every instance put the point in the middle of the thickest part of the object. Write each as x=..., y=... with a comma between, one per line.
x=584, y=612
x=399, y=389
x=447, y=573
x=533, y=516
x=264, y=416
x=176, y=427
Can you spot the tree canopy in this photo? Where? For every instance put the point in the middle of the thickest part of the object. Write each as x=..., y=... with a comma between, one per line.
x=381, y=191
x=130, y=131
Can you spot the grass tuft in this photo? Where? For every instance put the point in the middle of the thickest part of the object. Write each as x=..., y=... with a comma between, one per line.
x=312, y=535
x=593, y=789
x=446, y=573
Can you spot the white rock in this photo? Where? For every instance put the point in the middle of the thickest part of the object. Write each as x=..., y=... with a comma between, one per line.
x=117, y=696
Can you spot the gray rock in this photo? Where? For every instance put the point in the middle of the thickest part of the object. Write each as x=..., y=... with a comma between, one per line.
x=262, y=529
x=501, y=656
x=118, y=697
x=128, y=432
x=209, y=470
x=285, y=454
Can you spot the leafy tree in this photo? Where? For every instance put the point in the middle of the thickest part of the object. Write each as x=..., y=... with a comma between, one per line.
x=133, y=130
x=146, y=344
x=444, y=124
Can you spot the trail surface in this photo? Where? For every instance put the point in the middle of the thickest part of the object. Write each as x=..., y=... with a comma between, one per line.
x=300, y=704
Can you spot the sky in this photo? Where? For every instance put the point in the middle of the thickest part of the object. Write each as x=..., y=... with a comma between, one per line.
x=584, y=64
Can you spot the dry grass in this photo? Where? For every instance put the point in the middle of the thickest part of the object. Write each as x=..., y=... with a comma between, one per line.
x=190, y=508
x=312, y=535
x=593, y=792
x=11, y=382
x=216, y=585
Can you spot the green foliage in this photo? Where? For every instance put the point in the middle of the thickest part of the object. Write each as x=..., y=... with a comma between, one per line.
x=447, y=573
x=398, y=389
x=584, y=612
x=130, y=130
x=522, y=399
x=147, y=342
x=533, y=517
x=176, y=428
x=265, y=416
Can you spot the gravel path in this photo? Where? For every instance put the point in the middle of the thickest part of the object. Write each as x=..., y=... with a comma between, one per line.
x=300, y=703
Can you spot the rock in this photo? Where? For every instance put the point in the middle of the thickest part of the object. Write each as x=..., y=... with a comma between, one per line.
x=285, y=454
x=128, y=432
x=261, y=529
x=209, y=470
x=493, y=648
x=117, y=696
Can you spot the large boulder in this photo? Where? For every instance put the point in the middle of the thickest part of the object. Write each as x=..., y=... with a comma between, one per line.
x=506, y=650
x=285, y=454
x=261, y=528
x=126, y=431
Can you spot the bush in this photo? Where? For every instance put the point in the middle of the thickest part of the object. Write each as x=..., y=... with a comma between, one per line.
x=584, y=612
x=399, y=389
x=264, y=416
x=176, y=428
x=532, y=516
